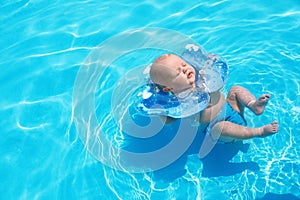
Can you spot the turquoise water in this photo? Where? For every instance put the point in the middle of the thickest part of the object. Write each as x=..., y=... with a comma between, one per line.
x=44, y=45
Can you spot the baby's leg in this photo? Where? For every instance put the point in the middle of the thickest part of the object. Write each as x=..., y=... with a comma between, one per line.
x=239, y=98
x=226, y=131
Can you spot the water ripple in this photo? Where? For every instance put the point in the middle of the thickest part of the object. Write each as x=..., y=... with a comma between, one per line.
x=43, y=45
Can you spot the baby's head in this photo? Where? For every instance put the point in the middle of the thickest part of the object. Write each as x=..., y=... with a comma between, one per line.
x=173, y=74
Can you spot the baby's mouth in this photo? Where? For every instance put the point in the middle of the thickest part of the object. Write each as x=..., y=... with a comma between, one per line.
x=190, y=75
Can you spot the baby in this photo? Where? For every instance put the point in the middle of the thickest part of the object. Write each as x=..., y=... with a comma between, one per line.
x=173, y=74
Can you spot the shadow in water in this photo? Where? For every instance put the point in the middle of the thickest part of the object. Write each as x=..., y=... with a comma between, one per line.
x=272, y=196
x=216, y=163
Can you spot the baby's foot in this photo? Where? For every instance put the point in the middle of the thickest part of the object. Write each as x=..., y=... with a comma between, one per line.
x=258, y=106
x=269, y=129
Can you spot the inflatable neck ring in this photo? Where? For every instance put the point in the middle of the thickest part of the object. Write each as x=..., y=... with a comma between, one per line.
x=211, y=75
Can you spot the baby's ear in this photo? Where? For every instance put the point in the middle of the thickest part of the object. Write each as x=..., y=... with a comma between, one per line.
x=166, y=89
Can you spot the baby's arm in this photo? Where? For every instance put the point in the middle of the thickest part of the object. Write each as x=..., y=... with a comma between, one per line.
x=214, y=108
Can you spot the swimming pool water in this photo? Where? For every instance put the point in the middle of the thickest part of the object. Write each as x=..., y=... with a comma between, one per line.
x=45, y=44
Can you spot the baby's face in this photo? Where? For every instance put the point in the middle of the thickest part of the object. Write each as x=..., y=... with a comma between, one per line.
x=172, y=72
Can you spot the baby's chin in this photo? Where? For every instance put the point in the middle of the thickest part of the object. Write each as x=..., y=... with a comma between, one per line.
x=192, y=81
